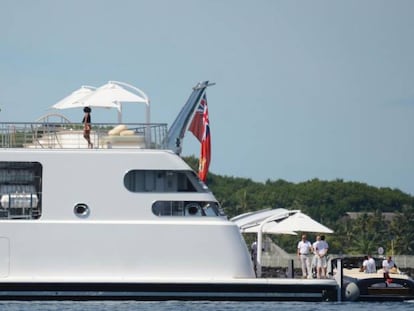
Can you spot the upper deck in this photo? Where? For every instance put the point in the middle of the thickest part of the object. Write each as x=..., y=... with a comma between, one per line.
x=65, y=134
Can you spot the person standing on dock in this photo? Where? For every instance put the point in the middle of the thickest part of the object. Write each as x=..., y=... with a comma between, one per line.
x=322, y=264
x=315, y=256
x=304, y=253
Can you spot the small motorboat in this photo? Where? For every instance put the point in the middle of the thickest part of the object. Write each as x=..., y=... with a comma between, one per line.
x=362, y=286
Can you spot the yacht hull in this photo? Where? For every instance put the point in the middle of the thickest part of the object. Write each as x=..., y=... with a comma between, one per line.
x=254, y=290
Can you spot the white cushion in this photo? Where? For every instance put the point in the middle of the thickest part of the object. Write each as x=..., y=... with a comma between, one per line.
x=127, y=133
x=117, y=129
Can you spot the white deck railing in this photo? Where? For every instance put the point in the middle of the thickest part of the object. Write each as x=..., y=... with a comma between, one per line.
x=70, y=135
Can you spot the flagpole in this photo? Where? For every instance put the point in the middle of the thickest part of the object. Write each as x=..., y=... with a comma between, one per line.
x=201, y=85
x=176, y=132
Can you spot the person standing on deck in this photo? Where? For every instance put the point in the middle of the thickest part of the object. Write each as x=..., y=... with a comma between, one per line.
x=364, y=265
x=304, y=252
x=253, y=254
x=371, y=267
x=87, y=126
x=387, y=265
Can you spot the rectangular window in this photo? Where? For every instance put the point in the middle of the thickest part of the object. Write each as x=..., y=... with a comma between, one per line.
x=186, y=208
x=162, y=181
x=20, y=190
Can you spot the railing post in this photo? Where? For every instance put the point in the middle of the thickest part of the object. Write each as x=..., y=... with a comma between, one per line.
x=339, y=278
x=291, y=269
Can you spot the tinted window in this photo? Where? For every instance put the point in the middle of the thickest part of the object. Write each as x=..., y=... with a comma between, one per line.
x=186, y=208
x=162, y=181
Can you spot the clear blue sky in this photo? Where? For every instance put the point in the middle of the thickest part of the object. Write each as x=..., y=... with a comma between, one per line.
x=304, y=89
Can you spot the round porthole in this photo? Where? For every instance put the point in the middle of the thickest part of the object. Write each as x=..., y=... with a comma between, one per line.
x=192, y=209
x=81, y=210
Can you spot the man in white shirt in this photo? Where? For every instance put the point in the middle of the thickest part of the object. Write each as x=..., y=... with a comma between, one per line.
x=387, y=265
x=364, y=265
x=322, y=264
x=371, y=268
x=304, y=252
x=368, y=266
x=315, y=256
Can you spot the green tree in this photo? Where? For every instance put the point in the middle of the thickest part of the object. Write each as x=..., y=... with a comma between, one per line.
x=402, y=232
x=327, y=202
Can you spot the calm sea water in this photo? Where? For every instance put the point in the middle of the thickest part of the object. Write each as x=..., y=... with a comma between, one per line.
x=205, y=306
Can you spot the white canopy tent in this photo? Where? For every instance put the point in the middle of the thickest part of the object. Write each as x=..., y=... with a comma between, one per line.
x=276, y=221
x=250, y=222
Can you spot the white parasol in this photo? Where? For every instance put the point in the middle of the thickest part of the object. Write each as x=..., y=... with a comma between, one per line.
x=110, y=95
x=297, y=222
x=74, y=99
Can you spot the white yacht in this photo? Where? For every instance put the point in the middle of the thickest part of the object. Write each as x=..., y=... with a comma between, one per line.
x=128, y=219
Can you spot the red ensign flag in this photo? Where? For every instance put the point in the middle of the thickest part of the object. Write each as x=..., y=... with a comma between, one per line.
x=200, y=127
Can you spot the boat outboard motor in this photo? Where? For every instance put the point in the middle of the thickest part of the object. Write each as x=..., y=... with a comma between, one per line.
x=177, y=130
